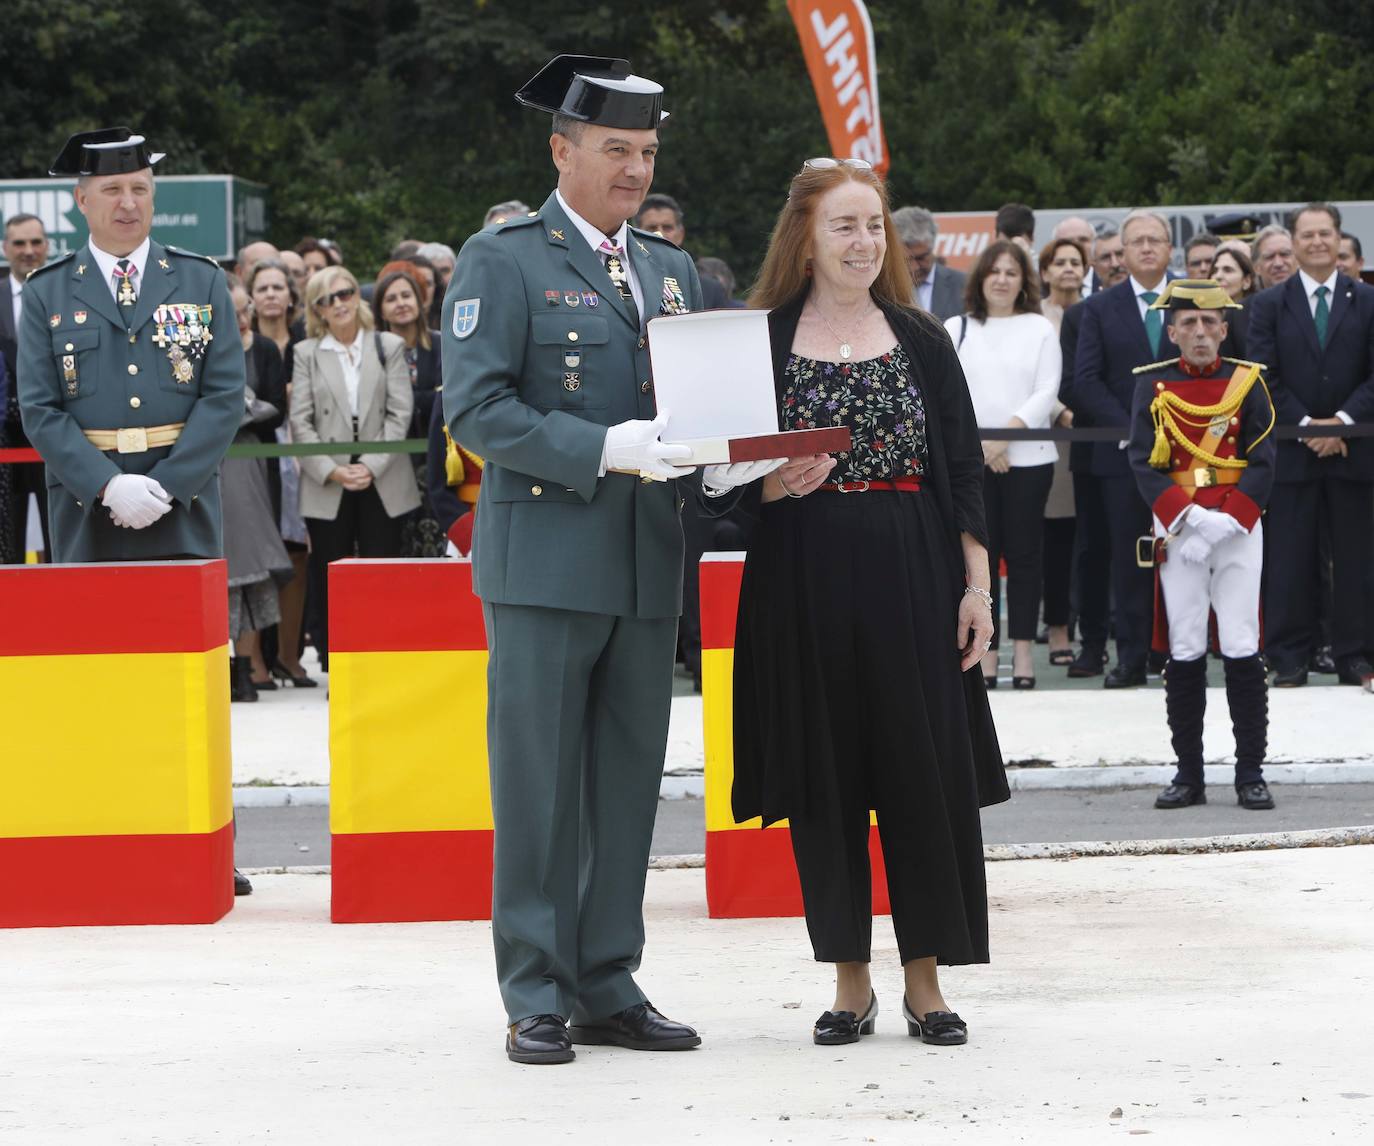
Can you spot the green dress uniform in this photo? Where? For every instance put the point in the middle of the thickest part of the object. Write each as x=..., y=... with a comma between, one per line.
x=581, y=581
x=86, y=366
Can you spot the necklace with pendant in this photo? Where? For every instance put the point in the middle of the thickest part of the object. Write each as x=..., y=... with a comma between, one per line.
x=845, y=348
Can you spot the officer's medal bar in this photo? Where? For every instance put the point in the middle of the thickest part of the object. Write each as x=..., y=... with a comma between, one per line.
x=183, y=330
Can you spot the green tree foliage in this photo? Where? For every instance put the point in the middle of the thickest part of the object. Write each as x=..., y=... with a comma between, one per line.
x=373, y=120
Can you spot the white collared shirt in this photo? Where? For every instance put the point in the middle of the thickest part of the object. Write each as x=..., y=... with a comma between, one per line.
x=16, y=297
x=107, y=263
x=351, y=359
x=595, y=237
x=925, y=293
x=1310, y=285
x=1140, y=290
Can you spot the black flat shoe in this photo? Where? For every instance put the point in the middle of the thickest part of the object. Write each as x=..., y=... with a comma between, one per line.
x=1123, y=677
x=1254, y=796
x=1088, y=662
x=939, y=1028
x=1023, y=682
x=279, y=671
x=1354, y=670
x=242, y=885
x=835, y=1028
x=636, y=1028
x=539, y=1039
x=989, y=682
x=1180, y=796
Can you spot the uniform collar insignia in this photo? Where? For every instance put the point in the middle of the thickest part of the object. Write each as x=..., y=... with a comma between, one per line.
x=164, y=264
x=1197, y=371
x=643, y=249
x=81, y=269
x=557, y=234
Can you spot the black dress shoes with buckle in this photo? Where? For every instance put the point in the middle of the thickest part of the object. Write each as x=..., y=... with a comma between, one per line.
x=1181, y=796
x=1123, y=677
x=640, y=1027
x=539, y=1039
x=939, y=1028
x=835, y=1028
x=1254, y=796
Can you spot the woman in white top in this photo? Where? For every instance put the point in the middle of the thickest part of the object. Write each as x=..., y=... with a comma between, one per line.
x=349, y=385
x=1011, y=358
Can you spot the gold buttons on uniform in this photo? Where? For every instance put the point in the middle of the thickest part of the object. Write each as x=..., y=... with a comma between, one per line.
x=132, y=368
x=1231, y=440
x=1235, y=421
x=1159, y=385
x=572, y=336
x=643, y=342
x=536, y=490
x=645, y=387
x=135, y=401
x=132, y=339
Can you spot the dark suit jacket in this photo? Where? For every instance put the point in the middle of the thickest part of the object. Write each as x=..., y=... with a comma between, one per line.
x=1312, y=381
x=947, y=292
x=11, y=431
x=1111, y=343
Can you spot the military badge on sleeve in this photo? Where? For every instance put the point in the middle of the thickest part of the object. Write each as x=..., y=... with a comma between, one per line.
x=465, y=314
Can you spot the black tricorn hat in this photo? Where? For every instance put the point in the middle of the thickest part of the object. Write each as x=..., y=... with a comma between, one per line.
x=1237, y=225
x=109, y=151
x=595, y=89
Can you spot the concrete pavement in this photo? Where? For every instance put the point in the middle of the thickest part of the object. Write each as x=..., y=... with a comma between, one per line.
x=1195, y=999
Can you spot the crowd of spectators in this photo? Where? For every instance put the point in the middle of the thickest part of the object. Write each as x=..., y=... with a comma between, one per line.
x=332, y=359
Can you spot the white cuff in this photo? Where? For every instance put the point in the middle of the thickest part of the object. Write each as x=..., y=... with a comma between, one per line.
x=1344, y=417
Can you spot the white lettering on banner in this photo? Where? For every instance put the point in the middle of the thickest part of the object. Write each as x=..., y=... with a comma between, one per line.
x=50, y=206
x=851, y=86
x=962, y=244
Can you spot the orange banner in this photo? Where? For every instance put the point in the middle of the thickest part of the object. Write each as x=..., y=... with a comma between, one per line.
x=837, y=41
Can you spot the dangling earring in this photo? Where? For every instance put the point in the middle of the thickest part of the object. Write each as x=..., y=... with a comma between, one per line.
x=807, y=268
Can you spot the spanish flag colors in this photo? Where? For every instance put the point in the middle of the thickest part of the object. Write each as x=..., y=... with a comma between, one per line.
x=410, y=803
x=115, y=797
x=750, y=870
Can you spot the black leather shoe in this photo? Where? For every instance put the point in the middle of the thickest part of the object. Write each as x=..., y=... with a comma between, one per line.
x=1180, y=796
x=1123, y=677
x=242, y=886
x=939, y=1028
x=1088, y=662
x=636, y=1028
x=1322, y=660
x=834, y=1028
x=1290, y=678
x=539, y=1039
x=1354, y=670
x=1254, y=796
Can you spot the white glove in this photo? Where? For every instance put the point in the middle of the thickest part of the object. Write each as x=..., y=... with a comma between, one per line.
x=719, y=479
x=1194, y=549
x=136, y=501
x=1213, y=525
x=635, y=446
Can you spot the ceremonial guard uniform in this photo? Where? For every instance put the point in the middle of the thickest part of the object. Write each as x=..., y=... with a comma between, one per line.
x=138, y=371
x=577, y=561
x=1203, y=458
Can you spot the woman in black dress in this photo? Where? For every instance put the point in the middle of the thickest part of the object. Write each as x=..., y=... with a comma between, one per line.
x=864, y=606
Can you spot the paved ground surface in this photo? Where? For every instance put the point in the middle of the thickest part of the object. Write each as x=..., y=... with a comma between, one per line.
x=299, y=836
x=1192, y=999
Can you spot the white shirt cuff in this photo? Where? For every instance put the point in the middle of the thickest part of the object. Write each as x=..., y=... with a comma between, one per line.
x=1344, y=417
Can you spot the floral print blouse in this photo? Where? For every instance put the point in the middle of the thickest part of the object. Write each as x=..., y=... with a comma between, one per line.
x=877, y=398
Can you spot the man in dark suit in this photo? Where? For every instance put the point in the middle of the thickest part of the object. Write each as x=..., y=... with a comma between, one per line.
x=1116, y=333
x=26, y=249
x=939, y=289
x=1109, y=261
x=1315, y=333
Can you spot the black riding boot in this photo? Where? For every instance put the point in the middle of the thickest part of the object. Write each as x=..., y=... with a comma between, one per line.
x=1248, y=697
x=1185, y=700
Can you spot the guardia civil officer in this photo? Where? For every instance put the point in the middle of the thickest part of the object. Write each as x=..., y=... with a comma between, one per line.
x=131, y=376
x=131, y=373
x=1203, y=456
x=578, y=561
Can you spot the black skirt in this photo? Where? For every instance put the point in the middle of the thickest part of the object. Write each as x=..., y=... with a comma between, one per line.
x=846, y=662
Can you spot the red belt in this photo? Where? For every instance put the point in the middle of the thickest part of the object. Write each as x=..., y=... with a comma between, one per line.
x=908, y=484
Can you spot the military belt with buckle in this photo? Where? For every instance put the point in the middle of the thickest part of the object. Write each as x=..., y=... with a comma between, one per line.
x=1205, y=476
x=135, y=439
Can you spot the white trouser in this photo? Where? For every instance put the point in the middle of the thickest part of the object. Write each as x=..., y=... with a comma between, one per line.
x=1227, y=583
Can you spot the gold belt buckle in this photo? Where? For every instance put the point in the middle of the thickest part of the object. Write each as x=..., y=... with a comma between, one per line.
x=1205, y=476
x=132, y=441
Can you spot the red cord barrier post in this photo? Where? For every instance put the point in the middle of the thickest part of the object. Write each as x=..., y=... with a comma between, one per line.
x=750, y=871
x=115, y=791
x=410, y=803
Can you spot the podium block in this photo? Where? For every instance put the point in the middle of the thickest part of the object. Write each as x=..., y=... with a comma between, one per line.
x=410, y=803
x=750, y=870
x=115, y=786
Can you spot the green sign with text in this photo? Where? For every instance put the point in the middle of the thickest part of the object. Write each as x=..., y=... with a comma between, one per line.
x=210, y=214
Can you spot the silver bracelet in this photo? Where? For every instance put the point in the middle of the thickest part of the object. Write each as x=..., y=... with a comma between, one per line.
x=982, y=594
x=787, y=491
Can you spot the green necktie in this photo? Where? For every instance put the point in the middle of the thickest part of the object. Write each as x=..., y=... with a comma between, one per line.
x=1323, y=313
x=1154, y=325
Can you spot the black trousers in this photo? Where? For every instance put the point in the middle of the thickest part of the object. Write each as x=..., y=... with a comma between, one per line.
x=29, y=478
x=361, y=529
x=1014, y=503
x=1090, y=590
x=1297, y=513
x=1056, y=565
x=1133, y=588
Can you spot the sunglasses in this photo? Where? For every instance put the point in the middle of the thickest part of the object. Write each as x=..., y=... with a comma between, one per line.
x=329, y=300
x=825, y=163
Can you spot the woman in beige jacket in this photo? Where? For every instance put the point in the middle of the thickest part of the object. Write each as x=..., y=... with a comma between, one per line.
x=349, y=384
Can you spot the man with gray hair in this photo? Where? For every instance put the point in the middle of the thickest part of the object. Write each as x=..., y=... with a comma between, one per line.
x=939, y=289
x=1272, y=254
x=443, y=258
x=510, y=209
